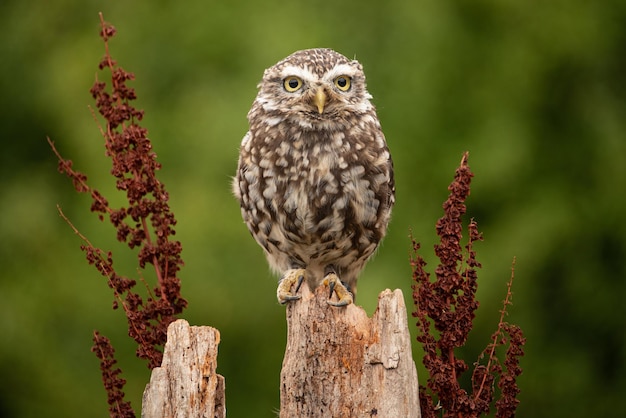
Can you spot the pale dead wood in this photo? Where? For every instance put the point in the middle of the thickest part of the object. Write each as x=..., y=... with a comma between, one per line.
x=340, y=363
x=186, y=384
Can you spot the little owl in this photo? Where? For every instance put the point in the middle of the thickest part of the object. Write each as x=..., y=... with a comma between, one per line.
x=315, y=178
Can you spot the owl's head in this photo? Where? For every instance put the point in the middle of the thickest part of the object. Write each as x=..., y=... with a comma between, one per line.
x=313, y=87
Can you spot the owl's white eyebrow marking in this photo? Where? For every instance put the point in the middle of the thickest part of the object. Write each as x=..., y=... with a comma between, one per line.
x=301, y=72
x=341, y=69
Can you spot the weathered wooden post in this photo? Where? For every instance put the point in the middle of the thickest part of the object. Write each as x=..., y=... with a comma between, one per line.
x=186, y=385
x=338, y=363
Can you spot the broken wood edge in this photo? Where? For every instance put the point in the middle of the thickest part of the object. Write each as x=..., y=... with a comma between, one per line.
x=339, y=362
x=186, y=384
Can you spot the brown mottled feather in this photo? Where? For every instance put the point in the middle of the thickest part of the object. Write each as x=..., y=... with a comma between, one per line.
x=316, y=190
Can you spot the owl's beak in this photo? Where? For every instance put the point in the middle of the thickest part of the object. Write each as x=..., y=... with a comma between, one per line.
x=320, y=100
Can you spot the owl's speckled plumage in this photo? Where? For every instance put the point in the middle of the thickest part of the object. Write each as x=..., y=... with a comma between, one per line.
x=315, y=177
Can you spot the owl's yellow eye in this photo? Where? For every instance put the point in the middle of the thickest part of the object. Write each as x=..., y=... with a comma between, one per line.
x=343, y=82
x=292, y=83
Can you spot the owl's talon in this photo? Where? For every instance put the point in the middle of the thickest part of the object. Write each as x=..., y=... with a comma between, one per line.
x=331, y=288
x=291, y=277
x=335, y=285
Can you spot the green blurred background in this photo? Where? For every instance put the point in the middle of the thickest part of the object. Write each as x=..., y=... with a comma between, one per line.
x=535, y=92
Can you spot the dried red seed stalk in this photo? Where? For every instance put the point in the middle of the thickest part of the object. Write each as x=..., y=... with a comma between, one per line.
x=112, y=382
x=145, y=223
x=449, y=303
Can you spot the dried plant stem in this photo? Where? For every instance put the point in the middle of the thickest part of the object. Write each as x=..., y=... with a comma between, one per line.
x=105, y=267
x=146, y=224
x=498, y=334
x=448, y=304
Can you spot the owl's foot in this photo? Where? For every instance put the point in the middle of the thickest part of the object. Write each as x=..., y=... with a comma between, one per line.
x=335, y=285
x=291, y=277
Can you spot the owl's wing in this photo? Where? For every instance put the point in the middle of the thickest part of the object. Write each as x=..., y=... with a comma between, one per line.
x=235, y=183
x=245, y=139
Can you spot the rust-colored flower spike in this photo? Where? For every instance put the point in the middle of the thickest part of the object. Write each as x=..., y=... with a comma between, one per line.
x=485, y=375
x=449, y=303
x=146, y=223
x=114, y=384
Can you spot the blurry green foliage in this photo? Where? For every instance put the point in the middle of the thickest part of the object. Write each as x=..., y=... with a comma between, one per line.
x=535, y=92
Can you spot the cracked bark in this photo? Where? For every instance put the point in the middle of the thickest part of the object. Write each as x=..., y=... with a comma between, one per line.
x=186, y=384
x=338, y=363
x=341, y=363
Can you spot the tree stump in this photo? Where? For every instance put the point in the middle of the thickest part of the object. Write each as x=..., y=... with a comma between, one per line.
x=340, y=363
x=186, y=384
